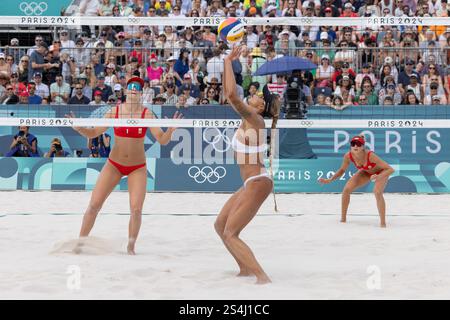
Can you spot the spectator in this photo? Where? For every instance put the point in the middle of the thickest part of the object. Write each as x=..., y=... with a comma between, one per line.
x=366, y=72
x=81, y=79
x=60, y=91
x=390, y=90
x=159, y=100
x=338, y=103
x=4, y=79
x=433, y=93
x=169, y=95
x=100, y=146
x=80, y=54
x=148, y=93
x=186, y=92
x=154, y=72
x=14, y=51
x=56, y=150
x=18, y=87
x=411, y=98
x=4, y=66
x=367, y=90
x=37, y=41
x=79, y=97
x=41, y=88
x=102, y=87
x=10, y=97
x=23, y=68
x=24, y=144
x=33, y=98
x=324, y=72
x=181, y=66
x=405, y=75
x=11, y=62
x=97, y=99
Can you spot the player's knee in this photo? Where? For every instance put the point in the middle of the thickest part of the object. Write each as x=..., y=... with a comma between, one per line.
x=94, y=208
x=228, y=235
x=219, y=227
x=347, y=191
x=378, y=193
x=136, y=211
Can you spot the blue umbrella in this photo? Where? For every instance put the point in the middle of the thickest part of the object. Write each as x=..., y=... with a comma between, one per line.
x=284, y=65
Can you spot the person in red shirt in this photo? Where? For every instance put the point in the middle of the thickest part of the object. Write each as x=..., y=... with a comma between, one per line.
x=370, y=168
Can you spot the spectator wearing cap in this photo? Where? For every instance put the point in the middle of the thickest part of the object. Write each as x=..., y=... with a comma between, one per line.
x=119, y=92
x=13, y=49
x=415, y=87
x=169, y=94
x=42, y=89
x=347, y=85
x=392, y=91
x=159, y=100
x=258, y=59
x=186, y=90
x=33, y=98
x=366, y=72
x=324, y=71
x=110, y=76
x=97, y=101
x=154, y=72
x=434, y=94
x=59, y=91
x=405, y=75
x=79, y=97
x=102, y=87
x=194, y=90
x=348, y=11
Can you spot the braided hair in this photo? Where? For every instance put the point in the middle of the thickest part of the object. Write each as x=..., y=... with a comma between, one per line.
x=272, y=110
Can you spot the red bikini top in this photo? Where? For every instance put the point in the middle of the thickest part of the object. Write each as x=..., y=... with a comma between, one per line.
x=369, y=165
x=130, y=132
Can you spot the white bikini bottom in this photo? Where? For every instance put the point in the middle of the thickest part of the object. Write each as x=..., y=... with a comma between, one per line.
x=262, y=175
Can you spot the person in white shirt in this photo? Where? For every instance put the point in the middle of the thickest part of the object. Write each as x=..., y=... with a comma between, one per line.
x=42, y=89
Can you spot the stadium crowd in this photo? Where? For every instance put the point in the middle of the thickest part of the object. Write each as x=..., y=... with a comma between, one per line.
x=183, y=66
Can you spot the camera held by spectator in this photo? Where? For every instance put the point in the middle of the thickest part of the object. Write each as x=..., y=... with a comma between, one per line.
x=56, y=150
x=24, y=144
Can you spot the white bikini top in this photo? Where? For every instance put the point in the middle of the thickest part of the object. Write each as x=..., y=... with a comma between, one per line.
x=243, y=148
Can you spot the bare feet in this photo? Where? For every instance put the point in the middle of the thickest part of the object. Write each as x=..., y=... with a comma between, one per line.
x=383, y=225
x=244, y=273
x=130, y=247
x=78, y=247
x=263, y=280
x=343, y=220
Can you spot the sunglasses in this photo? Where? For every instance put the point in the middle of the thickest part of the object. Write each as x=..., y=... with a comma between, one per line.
x=356, y=143
x=134, y=85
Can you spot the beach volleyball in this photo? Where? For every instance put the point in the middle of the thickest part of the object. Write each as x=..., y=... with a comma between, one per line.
x=231, y=30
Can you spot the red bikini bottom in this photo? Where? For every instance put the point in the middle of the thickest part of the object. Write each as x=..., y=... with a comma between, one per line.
x=126, y=170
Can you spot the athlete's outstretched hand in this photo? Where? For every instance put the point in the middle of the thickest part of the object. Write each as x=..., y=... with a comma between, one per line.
x=71, y=115
x=176, y=115
x=324, y=181
x=234, y=54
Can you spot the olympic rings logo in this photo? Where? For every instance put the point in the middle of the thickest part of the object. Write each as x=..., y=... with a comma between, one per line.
x=133, y=20
x=307, y=20
x=33, y=8
x=132, y=121
x=220, y=141
x=207, y=174
x=305, y=123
